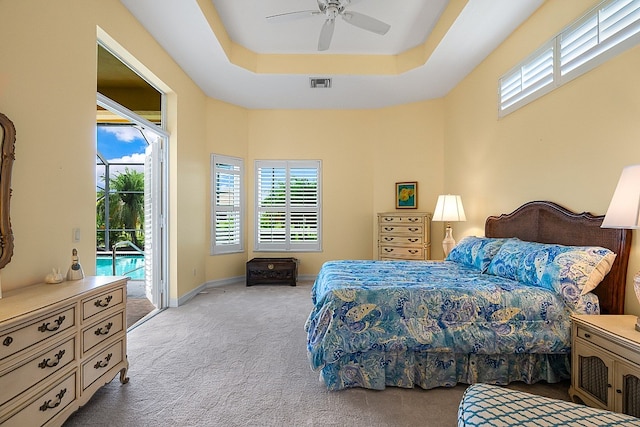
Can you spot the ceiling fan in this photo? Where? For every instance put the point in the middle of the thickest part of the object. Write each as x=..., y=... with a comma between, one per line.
x=331, y=9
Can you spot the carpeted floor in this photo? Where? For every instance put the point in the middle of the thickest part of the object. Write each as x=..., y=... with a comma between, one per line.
x=235, y=356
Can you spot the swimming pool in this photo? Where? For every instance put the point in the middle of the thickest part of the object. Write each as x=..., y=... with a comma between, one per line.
x=124, y=264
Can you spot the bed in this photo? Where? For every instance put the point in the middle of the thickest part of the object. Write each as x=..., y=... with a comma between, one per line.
x=496, y=311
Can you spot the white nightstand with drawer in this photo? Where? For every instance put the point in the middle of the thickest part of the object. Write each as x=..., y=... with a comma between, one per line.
x=606, y=362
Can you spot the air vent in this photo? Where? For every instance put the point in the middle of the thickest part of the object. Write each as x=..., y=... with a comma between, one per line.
x=320, y=83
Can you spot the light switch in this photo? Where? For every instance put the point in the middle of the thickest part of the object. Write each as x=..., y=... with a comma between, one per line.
x=76, y=234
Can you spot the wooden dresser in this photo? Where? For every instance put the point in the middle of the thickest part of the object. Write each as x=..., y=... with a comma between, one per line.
x=59, y=344
x=404, y=235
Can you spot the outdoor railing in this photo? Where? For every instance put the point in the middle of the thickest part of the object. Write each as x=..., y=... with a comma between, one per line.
x=120, y=244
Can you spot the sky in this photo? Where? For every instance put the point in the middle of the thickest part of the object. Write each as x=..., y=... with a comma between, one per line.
x=120, y=144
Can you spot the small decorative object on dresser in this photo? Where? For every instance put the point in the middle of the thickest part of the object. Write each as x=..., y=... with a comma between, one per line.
x=75, y=271
x=60, y=344
x=403, y=235
x=606, y=362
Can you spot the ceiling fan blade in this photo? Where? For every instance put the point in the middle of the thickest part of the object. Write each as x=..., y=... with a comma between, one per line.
x=292, y=16
x=326, y=34
x=366, y=22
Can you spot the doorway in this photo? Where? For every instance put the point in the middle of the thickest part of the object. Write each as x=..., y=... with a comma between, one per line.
x=132, y=187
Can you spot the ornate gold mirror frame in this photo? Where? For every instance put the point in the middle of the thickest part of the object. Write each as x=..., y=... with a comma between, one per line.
x=8, y=141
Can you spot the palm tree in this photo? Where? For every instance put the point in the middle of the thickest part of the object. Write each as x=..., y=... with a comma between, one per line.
x=126, y=206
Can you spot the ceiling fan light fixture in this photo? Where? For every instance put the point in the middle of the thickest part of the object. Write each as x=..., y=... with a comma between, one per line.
x=320, y=82
x=331, y=9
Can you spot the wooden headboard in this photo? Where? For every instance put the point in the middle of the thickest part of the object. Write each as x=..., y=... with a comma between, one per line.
x=547, y=222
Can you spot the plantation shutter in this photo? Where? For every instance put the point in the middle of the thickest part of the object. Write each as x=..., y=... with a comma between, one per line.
x=227, y=205
x=582, y=45
x=152, y=221
x=532, y=78
x=288, y=207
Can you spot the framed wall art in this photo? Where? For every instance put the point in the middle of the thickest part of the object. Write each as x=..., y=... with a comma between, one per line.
x=406, y=195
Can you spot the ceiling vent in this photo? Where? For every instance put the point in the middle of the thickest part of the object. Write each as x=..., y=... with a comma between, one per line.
x=320, y=83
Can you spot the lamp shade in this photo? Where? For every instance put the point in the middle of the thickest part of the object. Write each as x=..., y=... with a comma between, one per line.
x=624, y=209
x=449, y=208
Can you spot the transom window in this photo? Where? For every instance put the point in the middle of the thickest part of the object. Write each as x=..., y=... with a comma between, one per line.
x=605, y=31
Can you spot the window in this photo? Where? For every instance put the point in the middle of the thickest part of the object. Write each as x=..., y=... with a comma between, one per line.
x=598, y=36
x=288, y=206
x=529, y=80
x=605, y=31
x=227, y=204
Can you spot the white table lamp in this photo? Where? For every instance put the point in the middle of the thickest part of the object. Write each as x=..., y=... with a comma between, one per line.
x=624, y=211
x=449, y=209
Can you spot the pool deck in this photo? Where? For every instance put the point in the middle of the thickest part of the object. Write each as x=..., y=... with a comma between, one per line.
x=135, y=289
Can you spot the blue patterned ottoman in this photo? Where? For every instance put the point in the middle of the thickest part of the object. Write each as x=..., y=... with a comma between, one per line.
x=494, y=406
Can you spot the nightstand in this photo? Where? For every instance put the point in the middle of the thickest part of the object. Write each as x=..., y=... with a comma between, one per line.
x=606, y=362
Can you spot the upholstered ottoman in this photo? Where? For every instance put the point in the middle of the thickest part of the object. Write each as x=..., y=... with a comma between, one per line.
x=494, y=406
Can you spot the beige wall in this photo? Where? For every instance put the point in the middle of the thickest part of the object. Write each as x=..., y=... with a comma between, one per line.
x=48, y=89
x=227, y=134
x=568, y=146
x=363, y=154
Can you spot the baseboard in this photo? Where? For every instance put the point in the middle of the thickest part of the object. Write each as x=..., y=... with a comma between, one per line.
x=210, y=284
x=173, y=302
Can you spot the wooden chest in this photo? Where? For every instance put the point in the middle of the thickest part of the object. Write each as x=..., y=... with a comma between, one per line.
x=272, y=271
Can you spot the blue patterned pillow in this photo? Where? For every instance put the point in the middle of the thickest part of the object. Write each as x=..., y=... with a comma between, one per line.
x=571, y=271
x=475, y=252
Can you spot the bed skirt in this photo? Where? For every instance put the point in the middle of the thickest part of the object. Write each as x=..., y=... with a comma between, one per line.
x=378, y=369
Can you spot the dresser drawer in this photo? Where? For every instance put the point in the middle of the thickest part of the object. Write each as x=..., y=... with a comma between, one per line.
x=607, y=344
x=390, y=219
x=396, y=252
x=101, y=331
x=36, y=369
x=391, y=240
x=27, y=335
x=401, y=229
x=46, y=405
x=102, y=302
x=101, y=363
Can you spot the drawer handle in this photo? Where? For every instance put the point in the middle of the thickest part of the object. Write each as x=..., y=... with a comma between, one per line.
x=413, y=219
x=413, y=251
x=388, y=250
x=413, y=229
x=47, y=405
x=7, y=341
x=99, y=363
x=388, y=239
x=99, y=331
x=45, y=326
x=413, y=240
x=45, y=363
x=389, y=228
x=587, y=335
x=99, y=302
x=388, y=219
x=618, y=391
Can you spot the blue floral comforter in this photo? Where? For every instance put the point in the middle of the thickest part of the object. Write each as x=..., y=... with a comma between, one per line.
x=399, y=306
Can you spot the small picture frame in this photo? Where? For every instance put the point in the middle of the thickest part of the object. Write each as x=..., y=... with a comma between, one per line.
x=407, y=195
